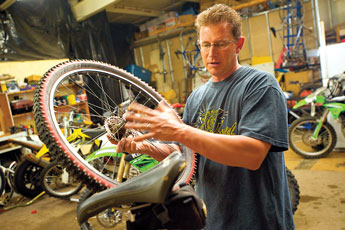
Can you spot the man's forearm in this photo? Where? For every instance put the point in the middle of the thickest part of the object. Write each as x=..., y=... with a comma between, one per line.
x=158, y=150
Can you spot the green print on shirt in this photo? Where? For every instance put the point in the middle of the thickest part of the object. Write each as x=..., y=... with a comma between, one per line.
x=209, y=118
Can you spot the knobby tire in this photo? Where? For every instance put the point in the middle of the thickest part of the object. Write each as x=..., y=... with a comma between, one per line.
x=106, y=86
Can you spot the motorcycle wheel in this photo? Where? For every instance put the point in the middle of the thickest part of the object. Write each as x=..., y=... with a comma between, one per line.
x=57, y=182
x=27, y=179
x=105, y=89
x=301, y=141
x=293, y=190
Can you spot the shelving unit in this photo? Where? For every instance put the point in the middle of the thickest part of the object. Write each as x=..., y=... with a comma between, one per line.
x=27, y=118
x=11, y=119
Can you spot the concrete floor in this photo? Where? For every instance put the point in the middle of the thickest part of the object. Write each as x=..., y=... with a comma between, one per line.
x=322, y=203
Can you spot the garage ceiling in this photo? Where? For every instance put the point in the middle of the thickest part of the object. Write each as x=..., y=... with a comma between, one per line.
x=140, y=11
x=134, y=11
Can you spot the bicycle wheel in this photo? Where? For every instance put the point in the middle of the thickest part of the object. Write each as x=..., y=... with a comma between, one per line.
x=9, y=175
x=302, y=142
x=106, y=91
x=109, y=218
x=57, y=182
x=27, y=179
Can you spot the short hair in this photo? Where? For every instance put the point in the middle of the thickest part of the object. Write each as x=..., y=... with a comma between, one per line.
x=220, y=13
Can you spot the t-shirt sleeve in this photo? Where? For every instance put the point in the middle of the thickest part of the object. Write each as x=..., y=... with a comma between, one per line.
x=264, y=117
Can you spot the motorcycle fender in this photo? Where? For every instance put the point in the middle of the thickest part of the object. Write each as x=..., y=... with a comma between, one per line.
x=335, y=108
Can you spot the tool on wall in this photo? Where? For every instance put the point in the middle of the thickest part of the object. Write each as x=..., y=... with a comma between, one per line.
x=170, y=94
x=170, y=64
x=161, y=57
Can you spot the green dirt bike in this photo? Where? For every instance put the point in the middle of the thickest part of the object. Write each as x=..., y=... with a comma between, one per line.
x=312, y=136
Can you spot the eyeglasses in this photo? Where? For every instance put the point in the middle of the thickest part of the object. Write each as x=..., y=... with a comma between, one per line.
x=206, y=46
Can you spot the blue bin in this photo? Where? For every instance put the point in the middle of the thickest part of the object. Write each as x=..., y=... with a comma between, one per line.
x=140, y=72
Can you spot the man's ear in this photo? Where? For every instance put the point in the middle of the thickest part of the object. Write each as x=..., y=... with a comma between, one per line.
x=240, y=43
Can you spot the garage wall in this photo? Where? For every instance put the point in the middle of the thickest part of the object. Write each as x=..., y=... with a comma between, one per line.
x=22, y=69
x=148, y=56
x=261, y=40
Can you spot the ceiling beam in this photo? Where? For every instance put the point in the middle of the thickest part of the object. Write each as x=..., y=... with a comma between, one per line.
x=134, y=10
x=87, y=8
x=6, y=4
x=178, y=3
x=248, y=4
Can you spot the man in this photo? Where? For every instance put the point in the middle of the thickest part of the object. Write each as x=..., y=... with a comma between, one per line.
x=237, y=124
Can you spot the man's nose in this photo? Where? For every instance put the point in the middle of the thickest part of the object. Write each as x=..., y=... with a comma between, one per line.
x=213, y=51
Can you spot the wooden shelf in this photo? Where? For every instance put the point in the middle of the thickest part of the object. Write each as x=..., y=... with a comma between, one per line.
x=66, y=106
x=27, y=118
x=23, y=114
x=21, y=92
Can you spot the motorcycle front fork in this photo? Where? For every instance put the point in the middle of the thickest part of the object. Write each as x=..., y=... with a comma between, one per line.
x=322, y=120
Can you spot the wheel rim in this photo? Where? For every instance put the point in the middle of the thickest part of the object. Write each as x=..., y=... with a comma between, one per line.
x=302, y=141
x=31, y=177
x=63, y=79
x=59, y=183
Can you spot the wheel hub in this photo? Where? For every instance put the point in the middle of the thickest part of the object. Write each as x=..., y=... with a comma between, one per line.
x=114, y=126
x=309, y=140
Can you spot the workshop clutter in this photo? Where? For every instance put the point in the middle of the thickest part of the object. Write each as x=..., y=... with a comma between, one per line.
x=33, y=80
x=70, y=99
x=10, y=85
x=165, y=22
x=20, y=105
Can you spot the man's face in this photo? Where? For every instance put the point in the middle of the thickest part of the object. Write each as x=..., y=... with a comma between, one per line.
x=218, y=50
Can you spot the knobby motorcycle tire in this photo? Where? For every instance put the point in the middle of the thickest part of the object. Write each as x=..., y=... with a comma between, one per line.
x=293, y=190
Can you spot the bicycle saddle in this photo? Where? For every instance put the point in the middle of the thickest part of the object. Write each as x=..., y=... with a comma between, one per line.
x=152, y=186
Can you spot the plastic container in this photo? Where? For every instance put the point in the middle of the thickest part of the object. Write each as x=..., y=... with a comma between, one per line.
x=140, y=72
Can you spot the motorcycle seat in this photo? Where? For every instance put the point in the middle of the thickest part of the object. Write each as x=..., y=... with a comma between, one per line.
x=152, y=186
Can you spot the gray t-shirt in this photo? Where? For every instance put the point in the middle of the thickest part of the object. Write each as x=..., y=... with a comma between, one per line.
x=249, y=103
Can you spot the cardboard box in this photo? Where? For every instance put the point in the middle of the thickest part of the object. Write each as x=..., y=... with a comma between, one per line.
x=142, y=27
x=166, y=16
x=186, y=18
x=34, y=77
x=170, y=21
x=140, y=35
